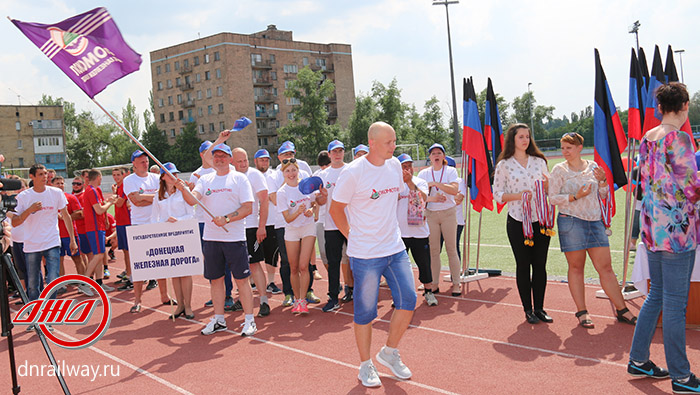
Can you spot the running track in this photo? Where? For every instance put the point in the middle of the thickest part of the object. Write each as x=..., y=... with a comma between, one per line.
x=478, y=344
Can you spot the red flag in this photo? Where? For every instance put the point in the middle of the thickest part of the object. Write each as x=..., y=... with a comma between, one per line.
x=474, y=145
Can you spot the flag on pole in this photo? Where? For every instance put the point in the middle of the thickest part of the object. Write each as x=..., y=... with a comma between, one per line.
x=652, y=117
x=635, y=115
x=642, y=58
x=608, y=135
x=474, y=145
x=672, y=76
x=493, y=129
x=88, y=48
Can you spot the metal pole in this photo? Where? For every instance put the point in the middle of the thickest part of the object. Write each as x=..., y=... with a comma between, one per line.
x=455, y=126
x=532, y=119
x=145, y=150
x=680, y=55
x=478, y=243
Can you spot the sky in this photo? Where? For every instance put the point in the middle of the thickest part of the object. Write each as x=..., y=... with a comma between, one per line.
x=546, y=43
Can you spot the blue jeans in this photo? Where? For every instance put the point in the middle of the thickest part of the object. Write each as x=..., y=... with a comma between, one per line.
x=53, y=266
x=670, y=283
x=367, y=273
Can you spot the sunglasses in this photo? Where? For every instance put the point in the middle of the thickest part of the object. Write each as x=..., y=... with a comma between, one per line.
x=570, y=134
x=285, y=161
x=77, y=183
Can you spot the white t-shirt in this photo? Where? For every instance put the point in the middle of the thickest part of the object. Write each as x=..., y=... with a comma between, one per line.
x=271, y=181
x=274, y=187
x=417, y=231
x=303, y=167
x=224, y=195
x=41, y=228
x=460, y=208
x=172, y=206
x=258, y=183
x=445, y=175
x=144, y=186
x=330, y=177
x=289, y=197
x=200, y=214
x=322, y=210
x=371, y=194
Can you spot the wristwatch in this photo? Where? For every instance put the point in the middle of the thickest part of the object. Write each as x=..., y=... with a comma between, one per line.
x=227, y=218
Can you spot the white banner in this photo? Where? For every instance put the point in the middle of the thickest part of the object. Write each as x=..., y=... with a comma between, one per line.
x=165, y=250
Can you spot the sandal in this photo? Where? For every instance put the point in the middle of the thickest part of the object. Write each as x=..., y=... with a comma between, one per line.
x=621, y=317
x=586, y=323
x=135, y=308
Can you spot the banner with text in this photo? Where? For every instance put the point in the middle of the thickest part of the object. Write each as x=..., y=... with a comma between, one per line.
x=165, y=250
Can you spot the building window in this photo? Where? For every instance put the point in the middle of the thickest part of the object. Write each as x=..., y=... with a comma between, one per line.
x=189, y=96
x=208, y=93
x=216, y=56
x=210, y=109
x=290, y=68
x=286, y=84
x=160, y=102
x=293, y=101
x=273, y=75
x=196, y=60
x=200, y=112
x=160, y=85
x=206, y=58
x=221, y=126
x=19, y=144
x=274, y=91
x=255, y=58
x=172, y=132
x=221, y=108
x=211, y=127
x=170, y=100
x=290, y=116
x=177, y=65
x=167, y=67
x=186, y=63
x=179, y=99
x=162, y=118
x=178, y=81
x=180, y=115
x=189, y=115
x=305, y=61
x=187, y=80
x=157, y=70
x=219, y=91
x=182, y=130
x=218, y=73
x=171, y=116
x=169, y=83
x=197, y=77
x=272, y=59
x=201, y=129
x=199, y=95
x=207, y=75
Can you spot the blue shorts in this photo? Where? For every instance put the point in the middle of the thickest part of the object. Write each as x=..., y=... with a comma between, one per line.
x=97, y=241
x=367, y=273
x=84, y=244
x=577, y=234
x=218, y=255
x=65, y=247
x=122, y=242
x=201, y=234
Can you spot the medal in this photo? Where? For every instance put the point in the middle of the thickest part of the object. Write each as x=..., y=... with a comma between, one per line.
x=527, y=217
x=608, y=232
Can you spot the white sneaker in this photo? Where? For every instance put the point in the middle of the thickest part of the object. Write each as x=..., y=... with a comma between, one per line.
x=393, y=362
x=249, y=328
x=430, y=299
x=107, y=288
x=369, y=376
x=214, y=326
x=84, y=289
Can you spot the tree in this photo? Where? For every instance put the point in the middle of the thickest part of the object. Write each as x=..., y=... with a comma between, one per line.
x=309, y=130
x=434, y=127
x=365, y=114
x=502, y=107
x=524, y=106
x=184, y=153
x=694, y=109
x=154, y=139
x=391, y=109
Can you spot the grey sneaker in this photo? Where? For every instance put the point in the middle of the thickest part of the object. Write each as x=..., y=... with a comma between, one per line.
x=393, y=362
x=84, y=289
x=214, y=326
x=249, y=328
x=107, y=288
x=369, y=376
x=430, y=299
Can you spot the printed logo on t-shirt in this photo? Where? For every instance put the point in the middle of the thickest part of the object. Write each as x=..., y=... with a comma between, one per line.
x=292, y=203
x=208, y=192
x=141, y=191
x=376, y=194
x=329, y=185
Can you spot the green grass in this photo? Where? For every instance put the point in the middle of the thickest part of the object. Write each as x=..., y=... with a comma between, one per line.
x=495, y=252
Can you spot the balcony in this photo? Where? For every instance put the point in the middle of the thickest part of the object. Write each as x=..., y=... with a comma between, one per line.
x=331, y=99
x=266, y=114
x=261, y=64
x=333, y=114
x=187, y=120
x=185, y=69
x=262, y=81
x=264, y=98
x=267, y=132
x=188, y=103
x=328, y=69
x=186, y=86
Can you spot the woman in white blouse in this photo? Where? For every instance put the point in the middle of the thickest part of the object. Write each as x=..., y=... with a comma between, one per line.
x=575, y=187
x=170, y=206
x=521, y=164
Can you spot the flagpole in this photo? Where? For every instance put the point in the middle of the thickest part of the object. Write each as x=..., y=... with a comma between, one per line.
x=145, y=150
x=478, y=243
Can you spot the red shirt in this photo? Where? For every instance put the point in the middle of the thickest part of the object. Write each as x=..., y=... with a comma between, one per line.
x=80, y=223
x=122, y=214
x=73, y=205
x=93, y=221
x=111, y=225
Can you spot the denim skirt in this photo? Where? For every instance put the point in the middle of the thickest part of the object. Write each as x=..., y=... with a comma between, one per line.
x=577, y=234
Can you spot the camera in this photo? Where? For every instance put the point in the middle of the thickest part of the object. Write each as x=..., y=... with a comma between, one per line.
x=8, y=202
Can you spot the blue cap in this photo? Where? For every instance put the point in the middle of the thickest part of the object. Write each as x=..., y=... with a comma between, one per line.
x=359, y=148
x=261, y=153
x=240, y=124
x=436, y=145
x=204, y=146
x=171, y=168
x=136, y=154
x=223, y=148
x=287, y=146
x=310, y=184
x=697, y=159
x=335, y=144
x=450, y=161
x=403, y=158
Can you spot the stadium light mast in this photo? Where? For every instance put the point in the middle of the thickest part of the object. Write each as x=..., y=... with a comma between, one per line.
x=455, y=126
x=532, y=119
x=634, y=29
x=680, y=54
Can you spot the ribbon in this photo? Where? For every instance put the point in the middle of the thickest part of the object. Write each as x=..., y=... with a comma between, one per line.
x=527, y=217
x=606, y=211
x=545, y=211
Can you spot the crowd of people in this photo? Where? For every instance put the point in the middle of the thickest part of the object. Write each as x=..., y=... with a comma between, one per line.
x=366, y=216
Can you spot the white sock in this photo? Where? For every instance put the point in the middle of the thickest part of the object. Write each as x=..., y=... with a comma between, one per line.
x=366, y=363
x=637, y=363
x=220, y=318
x=249, y=318
x=389, y=350
x=263, y=299
x=683, y=381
